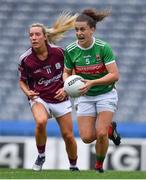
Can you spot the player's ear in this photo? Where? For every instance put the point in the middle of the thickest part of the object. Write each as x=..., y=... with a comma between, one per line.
x=46, y=38
x=93, y=29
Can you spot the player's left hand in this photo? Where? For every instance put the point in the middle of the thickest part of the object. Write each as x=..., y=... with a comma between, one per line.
x=60, y=94
x=86, y=87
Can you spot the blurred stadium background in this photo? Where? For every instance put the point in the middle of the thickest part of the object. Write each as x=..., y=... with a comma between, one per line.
x=125, y=30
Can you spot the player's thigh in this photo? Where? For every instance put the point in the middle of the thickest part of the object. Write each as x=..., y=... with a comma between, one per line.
x=104, y=120
x=86, y=126
x=106, y=107
x=86, y=115
x=65, y=123
x=39, y=112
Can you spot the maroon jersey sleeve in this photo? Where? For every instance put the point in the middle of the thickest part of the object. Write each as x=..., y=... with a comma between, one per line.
x=22, y=71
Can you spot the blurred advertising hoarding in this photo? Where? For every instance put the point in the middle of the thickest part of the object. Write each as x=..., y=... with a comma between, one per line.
x=20, y=152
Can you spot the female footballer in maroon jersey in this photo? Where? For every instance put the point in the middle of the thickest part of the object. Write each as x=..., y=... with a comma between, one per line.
x=41, y=68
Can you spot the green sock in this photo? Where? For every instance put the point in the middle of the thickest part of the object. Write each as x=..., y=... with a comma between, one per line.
x=100, y=158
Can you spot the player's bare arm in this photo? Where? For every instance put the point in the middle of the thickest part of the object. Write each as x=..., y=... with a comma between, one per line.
x=112, y=76
x=29, y=93
x=67, y=73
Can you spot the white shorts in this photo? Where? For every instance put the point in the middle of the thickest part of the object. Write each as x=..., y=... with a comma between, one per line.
x=55, y=109
x=92, y=105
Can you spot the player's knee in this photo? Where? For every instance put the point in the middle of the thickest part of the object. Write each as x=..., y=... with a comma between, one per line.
x=68, y=137
x=41, y=126
x=102, y=135
x=87, y=139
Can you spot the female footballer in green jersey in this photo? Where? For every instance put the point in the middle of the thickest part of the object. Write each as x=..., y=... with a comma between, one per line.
x=93, y=59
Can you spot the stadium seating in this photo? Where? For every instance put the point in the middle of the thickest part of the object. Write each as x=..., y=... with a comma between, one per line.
x=124, y=30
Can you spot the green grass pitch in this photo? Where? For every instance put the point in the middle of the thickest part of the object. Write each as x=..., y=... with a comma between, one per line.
x=65, y=174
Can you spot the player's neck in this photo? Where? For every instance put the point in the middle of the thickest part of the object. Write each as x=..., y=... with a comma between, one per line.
x=42, y=53
x=87, y=44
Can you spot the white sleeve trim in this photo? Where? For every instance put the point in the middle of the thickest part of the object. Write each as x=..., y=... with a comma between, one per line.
x=67, y=68
x=110, y=62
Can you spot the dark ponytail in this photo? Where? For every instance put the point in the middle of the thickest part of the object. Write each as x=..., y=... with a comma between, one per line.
x=92, y=16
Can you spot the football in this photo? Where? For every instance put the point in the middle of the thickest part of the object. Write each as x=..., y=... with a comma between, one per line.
x=72, y=85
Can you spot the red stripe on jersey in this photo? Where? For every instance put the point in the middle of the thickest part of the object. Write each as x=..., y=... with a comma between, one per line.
x=92, y=69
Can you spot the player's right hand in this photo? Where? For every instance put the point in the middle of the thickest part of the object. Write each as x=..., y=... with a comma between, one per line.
x=32, y=94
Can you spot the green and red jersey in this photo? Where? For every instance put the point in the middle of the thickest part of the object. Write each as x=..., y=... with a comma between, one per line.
x=90, y=63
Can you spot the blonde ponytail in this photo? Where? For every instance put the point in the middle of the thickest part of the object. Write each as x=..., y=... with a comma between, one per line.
x=63, y=23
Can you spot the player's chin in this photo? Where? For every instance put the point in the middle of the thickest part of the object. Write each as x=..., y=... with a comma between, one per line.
x=80, y=41
x=35, y=46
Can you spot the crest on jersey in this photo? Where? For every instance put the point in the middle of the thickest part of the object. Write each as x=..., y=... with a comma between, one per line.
x=97, y=56
x=58, y=65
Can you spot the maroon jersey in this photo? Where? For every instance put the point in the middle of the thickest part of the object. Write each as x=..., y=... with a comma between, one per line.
x=45, y=76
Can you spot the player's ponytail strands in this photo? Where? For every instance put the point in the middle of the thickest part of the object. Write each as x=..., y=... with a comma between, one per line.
x=97, y=15
x=92, y=16
x=64, y=23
